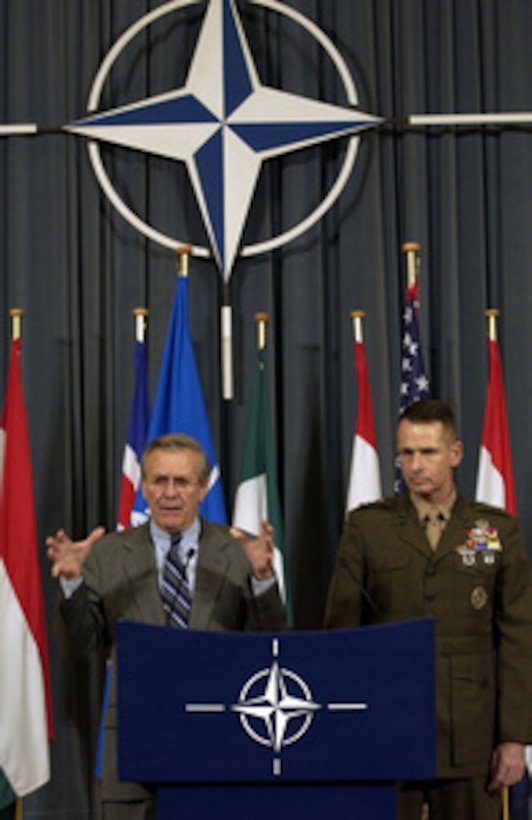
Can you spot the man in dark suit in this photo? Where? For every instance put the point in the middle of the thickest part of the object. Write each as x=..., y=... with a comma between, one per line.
x=230, y=578
x=432, y=553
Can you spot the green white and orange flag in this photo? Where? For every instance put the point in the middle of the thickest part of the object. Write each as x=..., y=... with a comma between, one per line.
x=257, y=495
x=25, y=706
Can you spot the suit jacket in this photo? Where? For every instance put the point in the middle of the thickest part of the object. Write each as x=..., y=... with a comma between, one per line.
x=121, y=583
x=477, y=586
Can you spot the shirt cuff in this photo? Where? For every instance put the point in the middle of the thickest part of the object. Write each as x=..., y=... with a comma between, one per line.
x=259, y=586
x=70, y=585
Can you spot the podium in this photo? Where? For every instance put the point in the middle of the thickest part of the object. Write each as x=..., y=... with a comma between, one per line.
x=309, y=724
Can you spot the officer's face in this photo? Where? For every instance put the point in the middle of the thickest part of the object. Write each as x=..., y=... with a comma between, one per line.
x=427, y=455
x=172, y=489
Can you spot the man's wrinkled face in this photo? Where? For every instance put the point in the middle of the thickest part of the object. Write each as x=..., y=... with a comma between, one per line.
x=428, y=453
x=172, y=489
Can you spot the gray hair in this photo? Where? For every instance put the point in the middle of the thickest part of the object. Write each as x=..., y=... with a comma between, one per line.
x=178, y=441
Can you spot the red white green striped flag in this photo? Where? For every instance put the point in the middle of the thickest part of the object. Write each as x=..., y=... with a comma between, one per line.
x=257, y=495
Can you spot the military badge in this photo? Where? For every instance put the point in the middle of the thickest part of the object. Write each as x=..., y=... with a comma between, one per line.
x=479, y=598
x=482, y=539
x=468, y=555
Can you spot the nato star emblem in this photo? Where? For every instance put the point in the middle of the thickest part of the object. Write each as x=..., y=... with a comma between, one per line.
x=223, y=124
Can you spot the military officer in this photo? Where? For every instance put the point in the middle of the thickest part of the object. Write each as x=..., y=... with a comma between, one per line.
x=430, y=552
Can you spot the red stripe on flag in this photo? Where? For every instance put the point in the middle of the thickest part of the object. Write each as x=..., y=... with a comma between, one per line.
x=495, y=434
x=365, y=425
x=18, y=530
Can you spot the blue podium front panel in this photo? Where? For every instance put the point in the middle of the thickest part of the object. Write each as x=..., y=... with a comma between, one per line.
x=323, y=802
x=292, y=707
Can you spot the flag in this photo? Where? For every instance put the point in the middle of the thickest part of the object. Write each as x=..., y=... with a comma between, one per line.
x=414, y=381
x=364, y=477
x=495, y=485
x=179, y=406
x=257, y=495
x=495, y=478
x=136, y=438
x=25, y=704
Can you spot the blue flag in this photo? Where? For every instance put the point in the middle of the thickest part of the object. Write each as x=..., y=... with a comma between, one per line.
x=179, y=406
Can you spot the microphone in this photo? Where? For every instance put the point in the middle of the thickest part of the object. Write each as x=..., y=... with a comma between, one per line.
x=188, y=557
x=342, y=561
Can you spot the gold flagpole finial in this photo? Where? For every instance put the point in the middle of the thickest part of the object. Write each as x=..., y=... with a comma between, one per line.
x=16, y=315
x=140, y=315
x=262, y=322
x=183, y=254
x=357, y=318
x=411, y=249
x=491, y=315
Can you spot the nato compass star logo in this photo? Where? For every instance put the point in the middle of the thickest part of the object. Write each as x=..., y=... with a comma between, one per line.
x=276, y=707
x=223, y=124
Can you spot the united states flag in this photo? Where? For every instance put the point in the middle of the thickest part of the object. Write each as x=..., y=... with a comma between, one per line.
x=415, y=384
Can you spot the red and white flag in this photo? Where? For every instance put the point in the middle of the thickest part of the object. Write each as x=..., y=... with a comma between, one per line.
x=495, y=478
x=25, y=705
x=139, y=423
x=364, y=477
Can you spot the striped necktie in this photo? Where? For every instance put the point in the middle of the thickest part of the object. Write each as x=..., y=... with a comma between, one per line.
x=175, y=590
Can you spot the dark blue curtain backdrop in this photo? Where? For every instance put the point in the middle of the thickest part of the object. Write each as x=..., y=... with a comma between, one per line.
x=78, y=269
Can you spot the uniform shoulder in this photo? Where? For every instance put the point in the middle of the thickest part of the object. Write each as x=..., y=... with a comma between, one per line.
x=488, y=511
x=383, y=505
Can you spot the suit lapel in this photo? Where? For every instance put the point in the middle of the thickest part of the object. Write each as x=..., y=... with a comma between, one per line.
x=139, y=570
x=211, y=570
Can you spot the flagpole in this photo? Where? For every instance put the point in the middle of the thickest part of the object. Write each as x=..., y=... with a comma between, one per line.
x=140, y=315
x=227, y=346
x=16, y=314
x=491, y=315
x=411, y=249
x=262, y=323
x=505, y=804
x=183, y=256
x=357, y=318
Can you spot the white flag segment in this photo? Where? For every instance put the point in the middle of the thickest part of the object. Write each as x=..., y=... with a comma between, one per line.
x=364, y=476
x=131, y=466
x=491, y=486
x=24, y=753
x=250, y=509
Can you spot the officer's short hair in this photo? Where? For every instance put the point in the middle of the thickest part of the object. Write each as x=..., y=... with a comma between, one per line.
x=428, y=411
